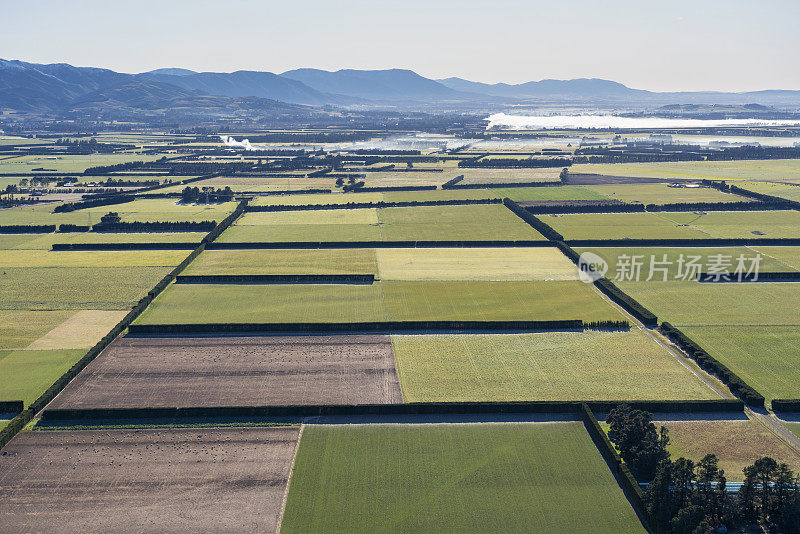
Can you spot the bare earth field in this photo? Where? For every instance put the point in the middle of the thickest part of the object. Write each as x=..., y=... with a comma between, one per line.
x=187, y=480
x=237, y=371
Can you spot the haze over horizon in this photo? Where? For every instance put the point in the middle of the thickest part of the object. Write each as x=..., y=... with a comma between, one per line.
x=513, y=42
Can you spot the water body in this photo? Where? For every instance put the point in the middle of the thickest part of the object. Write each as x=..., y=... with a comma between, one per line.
x=536, y=122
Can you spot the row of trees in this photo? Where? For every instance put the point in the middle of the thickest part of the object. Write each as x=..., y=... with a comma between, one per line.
x=687, y=497
x=206, y=195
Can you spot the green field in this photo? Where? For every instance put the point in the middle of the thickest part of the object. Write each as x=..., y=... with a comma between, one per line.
x=677, y=260
x=104, y=280
x=480, y=222
x=787, y=170
x=787, y=191
x=765, y=357
x=541, y=477
x=495, y=176
x=298, y=261
x=386, y=196
x=55, y=288
x=440, y=223
x=619, y=226
x=22, y=327
x=147, y=210
x=588, y=365
x=737, y=444
x=789, y=257
x=389, y=300
x=748, y=224
x=723, y=304
x=28, y=373
x=67, y=163
x=661, y=194
x=534, y=263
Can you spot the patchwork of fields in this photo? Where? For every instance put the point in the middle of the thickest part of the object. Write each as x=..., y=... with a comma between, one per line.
x=232, y=425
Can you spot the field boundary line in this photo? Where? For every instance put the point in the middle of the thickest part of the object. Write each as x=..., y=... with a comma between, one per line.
x=289, y=480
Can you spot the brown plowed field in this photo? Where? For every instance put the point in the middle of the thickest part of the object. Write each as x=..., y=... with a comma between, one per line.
x=237, y=371
x=176, y=480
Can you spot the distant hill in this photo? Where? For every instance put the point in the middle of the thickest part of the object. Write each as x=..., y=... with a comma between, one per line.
x=172, y=72
x=581, y=87
x=250, y=83
x=60, y=87
x=380, y=85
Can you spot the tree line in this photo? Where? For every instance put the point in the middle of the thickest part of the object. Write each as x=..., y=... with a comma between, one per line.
x=688, y=497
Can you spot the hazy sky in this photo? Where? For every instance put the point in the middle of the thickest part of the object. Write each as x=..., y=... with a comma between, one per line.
x=658, y=45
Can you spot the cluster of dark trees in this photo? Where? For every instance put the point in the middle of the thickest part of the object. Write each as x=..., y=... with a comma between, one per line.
x=511, y=163
x=86, y=146
x=687, y=497
x=27, y=228
x=453, y=181
x=101, y=170
x=72, y=206
x=207, y=195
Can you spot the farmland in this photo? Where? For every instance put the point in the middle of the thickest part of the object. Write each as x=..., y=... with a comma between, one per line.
x=203, y=480
x=540, y=263
x=242, y=371
x=675, y=262
x=661, y=194
x=766, y=357
x=737, y=443
x=381, y=301
x=481, y=222
x=433, y=478
x=785, y=170
x=301, y=261
x=545, y=366
x=725, y=304
x=621, y=226
x=387, y=426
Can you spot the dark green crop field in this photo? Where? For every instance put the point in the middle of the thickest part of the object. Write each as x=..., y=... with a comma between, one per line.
x=540, y=477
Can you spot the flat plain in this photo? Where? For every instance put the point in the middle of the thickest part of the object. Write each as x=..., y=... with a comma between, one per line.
x=237, y=371
x=203, y=480
x=453, y=478
x=588, y=365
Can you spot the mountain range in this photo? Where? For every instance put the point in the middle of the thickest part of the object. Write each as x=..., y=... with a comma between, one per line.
x=59, y=87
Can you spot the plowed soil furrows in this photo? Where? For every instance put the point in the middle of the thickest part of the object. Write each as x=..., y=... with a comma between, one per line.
x=174, y=480
x=237, y=371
